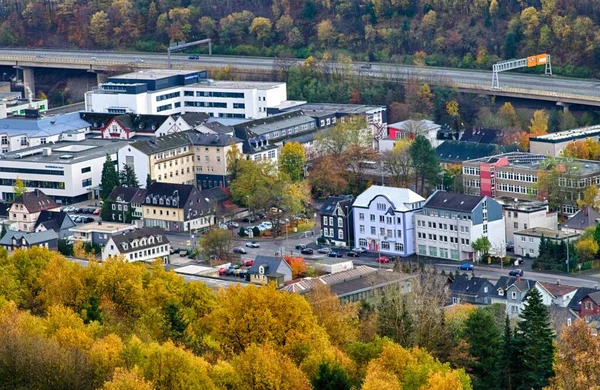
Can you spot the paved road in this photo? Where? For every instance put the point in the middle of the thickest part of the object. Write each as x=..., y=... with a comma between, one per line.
x=549, y=87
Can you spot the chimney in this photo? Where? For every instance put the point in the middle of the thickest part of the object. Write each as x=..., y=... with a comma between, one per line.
x=558, y=282
x=518, y=278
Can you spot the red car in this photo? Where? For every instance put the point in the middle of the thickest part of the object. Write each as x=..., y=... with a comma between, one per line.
x=96, y=212
x=247, y=262
x=383, y=259
x=222, y=271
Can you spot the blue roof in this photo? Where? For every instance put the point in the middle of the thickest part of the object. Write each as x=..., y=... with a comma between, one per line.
x=50, y=125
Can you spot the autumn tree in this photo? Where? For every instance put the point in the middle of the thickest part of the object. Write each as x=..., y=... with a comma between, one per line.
x=292, y=160
x=327, y=176
x=216, y=244
x=587, y=149
x=398, y=163
x=586, y=248
x=552, y=179
x=261, y=28
x=19, y=187
x=590, y=198
x=509, y=116
x=297, y=265
x=124, y=379
x=343, y=135
x=577, y=362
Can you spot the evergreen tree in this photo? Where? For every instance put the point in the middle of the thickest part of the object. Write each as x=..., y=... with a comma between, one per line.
x=597, y=234
x=128, y=178
x=109, y=179
x=148, y=181
x=485, y=342
x=506, y=360
x=426, y=164
x=4, y=230
x=176, y=323
x=331, y=377
x=534, y=348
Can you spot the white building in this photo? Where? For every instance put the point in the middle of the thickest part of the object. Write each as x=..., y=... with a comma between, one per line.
x=524, y=215
x=65, y=171
x=556, y=294
x=168, y=92
x=146, y=244
x=527, y=242
x=384, y=219
x=449, y=223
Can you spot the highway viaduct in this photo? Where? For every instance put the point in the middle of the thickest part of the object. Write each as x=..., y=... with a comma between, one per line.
x=563, y=91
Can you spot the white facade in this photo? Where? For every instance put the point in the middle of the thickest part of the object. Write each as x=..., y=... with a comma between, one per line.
x=160, y=250
x=550, y=298
x=527, y=242
x=383, y=219
x=225, y=99
x=524, y=218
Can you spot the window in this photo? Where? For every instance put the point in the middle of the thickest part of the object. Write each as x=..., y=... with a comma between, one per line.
x=500, y=292
x=324, y=221
x=530, y=239
x=433, y=251
x=443, y=253
x=388, y=220
x=340, y=222
x=485, y=290
x=86, y=182
x=514, y=295
x=485, y=228
x=422, y=250
x=373, y=231
x=362, y=242
x=330, y=221
x=385, y=245
x=362, y=228
x=381, y=219
x=340, y=234
x=523, y=239
x=361, y=216
x=516, y=225
x=372, y=217
x=239, y=105
x=381, y=206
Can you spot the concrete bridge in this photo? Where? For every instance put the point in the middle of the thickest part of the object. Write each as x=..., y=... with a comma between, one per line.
x=563, y=91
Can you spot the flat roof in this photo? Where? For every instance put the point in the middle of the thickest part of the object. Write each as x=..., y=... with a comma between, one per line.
x=194, y=269
x=154, y=74
x=548, y=233
x=104, y=227
x=228, y=84
x=333, y=260
x=66, y=152
x=522, y=205
x=567, y=135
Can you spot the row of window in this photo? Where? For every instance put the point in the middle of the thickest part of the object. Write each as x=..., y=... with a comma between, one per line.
x=442, y=226
x=56, y=185
x=269, y=155
x=443, y=252
x=169, y=153
x=517, y=189
x=86, y=182
x=233, y=95
x=291, y=130
x=162, y=201
x=471, y=171
x=434, y=237
x=382, y=218
x=205, y=104
x=446, y=214
x=472, y=183
x=340, y=221
x=171, y=174
x=382, y=232
x=385, y=245
x=166, y=107
x=148, y=252
x=517, y=176
x=51, y=172
x=331, y=233
x=166, y=96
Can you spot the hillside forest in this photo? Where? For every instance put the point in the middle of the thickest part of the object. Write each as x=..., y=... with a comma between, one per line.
x=457, y=33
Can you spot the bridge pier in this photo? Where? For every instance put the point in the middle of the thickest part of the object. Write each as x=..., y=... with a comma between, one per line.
x=100, y=76
x=28, y=81
x=564, y=105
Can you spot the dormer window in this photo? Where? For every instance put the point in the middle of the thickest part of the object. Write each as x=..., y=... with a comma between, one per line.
x=151, y=240
x=159, y=238
x=500, y=292
x=154, y=200
x=134, y=243
x=147, y=199
x=125, y=246
x=161, y=201
x=168, y=202
x=143, y=242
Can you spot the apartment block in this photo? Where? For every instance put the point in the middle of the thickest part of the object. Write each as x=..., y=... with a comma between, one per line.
x=522, y=215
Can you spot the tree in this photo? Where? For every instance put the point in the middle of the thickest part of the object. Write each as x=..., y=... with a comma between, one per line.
x=567, y=121
x=109, y=179
x=326, y=33
x=19, y=187
x=554, y=172
x=485, y=347
x=426, y=164
x=128, y=178
x=100, y=28
x=331, y=377
x=577, y=362
x=398, y=163
x=148, y=180
x=539, y=123
x=124, y=379
x=261, y=27
x=509, y=116
x=586, y=249
x=533, y=346
x=327, y=176
x=297, y=265
x=590, y=198
x=216, y=244
x=587, y=149
x=482, y=245
x=343, y=135
x=507, y=361
x=292, y=160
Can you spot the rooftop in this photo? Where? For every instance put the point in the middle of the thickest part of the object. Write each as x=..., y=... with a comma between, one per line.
x=333, y=108
x=45, y=126
x=35, y=201
x=582, y=219
x=459, y=151
x=183, y=138
x=557, y=289
x=226, y=84
x=104, y=227
x=533, y=162
x=31, y=238
x=453, y=201
x=399, y=197
x=548, y=233
x=522, y=205
x=274, y=122
x=65, y=152
x=154, y=74
x=568, y=135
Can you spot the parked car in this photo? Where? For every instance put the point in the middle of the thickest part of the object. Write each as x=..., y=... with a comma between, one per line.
x=359, y=249
x=383, y=259
x=194, y=57
x=88, y=219
x=365, y=66
x=172, y=250
x=253, y=244
x=466, y=267
x=335, y=254
x=353, y=254
x=260, y=215
x=182, y=253
x=249, y=218
x=300, y=246
x=240, y=250
x=515, y=272
x=96, y=212
x=78, y=219
x=233, y=224
x=307, y=251
x=243, y=273
x=69, y=209
x=247, y=262
x=222, y=271
x=324, y=250
x=223, y=226
x=267, y=224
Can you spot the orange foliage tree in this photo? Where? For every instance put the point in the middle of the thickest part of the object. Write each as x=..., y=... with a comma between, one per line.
x=297, y=265
x=587, y=149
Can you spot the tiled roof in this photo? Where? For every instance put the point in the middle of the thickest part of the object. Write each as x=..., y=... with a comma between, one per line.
x=124, y=241
x=31, y=238
x=53, y=220
x=583, y=219
x=271, y=263
x=35, y=201
x=399, y=197
x=558, y=290
x=595, y=296
x=171, y=191
x=331, y=202
x=507, y=281
x=469, y=285
x=453, y=201
x=459, y=151
x=125, y=194
x=581, y=293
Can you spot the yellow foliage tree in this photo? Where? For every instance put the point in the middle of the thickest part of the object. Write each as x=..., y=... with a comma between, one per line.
x=586, y=248
x=508, y=114
x=124, y=379
x=452, y=107
x=19, y=187
x=378, y=378
x=539, y=123
x=590, y=197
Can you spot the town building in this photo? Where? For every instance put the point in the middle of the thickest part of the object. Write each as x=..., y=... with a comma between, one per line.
x=520, y=215
x=561, y=318
x=128, y=126
x=336, y=220
x=409, y=130
x=276, y=128
x=332, y=265
x=59, y=221
x=455, y=152
x=585, y=218
x=527, y=242
x=22, y=132
x=124, y=204
x=98, y=233
x=187, y=157
x=575, y=303
x=215, y=127
x=383, y=219
x=26, y=209
x=146, y=244
x=12, y=103
x=177, y=207
x=168, y=91
x=267, y=269
x=66, y=171
x=553, y=144
x=515, y=175
x=13, y=240
x=449, y=224
x=470, y=289
x=590, y=305
x=556, y=294
x=511, y=292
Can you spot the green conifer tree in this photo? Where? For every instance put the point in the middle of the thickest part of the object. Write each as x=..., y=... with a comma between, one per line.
x=485, y=348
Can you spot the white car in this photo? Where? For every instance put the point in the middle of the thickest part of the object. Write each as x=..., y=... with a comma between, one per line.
x=223, y=226
x=267, y=224
x=325, y=250
x=253, y=244
x=69, y=209
x=359, y=249
x=234, y=224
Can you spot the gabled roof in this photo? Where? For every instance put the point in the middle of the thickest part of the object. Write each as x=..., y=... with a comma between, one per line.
x=595, y=296
x=399, y=197
x=581, y=293
x=194, y=118
x=272, y=265
x=31, y=238
x=557, y=290
x=505, y=282
x=181, y=139
x=458, y=151
x=123, y=241
x=453, y=201
x=134, y=122
x=331, y=203
x=54, y=220
x=219, y=128
x=35, y=201
x=469, y=285
x=215, y=194
x=582, y=219
x=179, y=192
x=481, y=135
x=124, y=194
